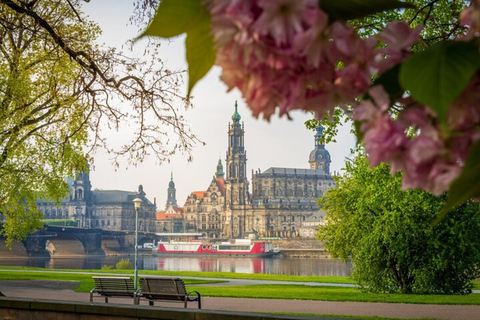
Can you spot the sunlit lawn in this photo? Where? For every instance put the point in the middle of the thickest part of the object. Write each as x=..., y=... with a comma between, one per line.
x=283, y=291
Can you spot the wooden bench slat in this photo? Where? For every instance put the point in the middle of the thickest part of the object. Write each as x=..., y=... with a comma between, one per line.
x=114, y=287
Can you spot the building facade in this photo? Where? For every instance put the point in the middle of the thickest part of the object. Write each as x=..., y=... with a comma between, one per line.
x=281, y=199
x=102, y=209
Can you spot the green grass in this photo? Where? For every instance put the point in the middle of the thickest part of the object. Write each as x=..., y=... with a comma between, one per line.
x=220, y=275
x=283, y=291
x=328, y=293
x=349, y=316
x=85, y=281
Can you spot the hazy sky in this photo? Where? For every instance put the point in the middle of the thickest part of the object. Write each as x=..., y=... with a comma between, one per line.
x=280, y=143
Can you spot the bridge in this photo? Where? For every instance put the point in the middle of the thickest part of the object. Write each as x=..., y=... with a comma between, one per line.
x=55, y=241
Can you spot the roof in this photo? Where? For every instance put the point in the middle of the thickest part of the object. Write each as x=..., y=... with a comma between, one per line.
x=162, y=215
x=117, y=196
x=293, y=172
x=221, y=184
x=103, y=196
x=199, y=194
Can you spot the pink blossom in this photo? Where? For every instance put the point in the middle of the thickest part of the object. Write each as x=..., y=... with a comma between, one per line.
x=471, y=17
x=280, y=19
x=398, y=37
x=313, y=41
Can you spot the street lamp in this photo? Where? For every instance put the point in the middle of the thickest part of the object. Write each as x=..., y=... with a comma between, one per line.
x=137, y=202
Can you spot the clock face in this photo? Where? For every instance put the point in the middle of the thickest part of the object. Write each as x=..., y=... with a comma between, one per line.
x=319, y=157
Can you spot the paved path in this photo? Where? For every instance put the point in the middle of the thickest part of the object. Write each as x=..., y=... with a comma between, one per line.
x=56, y=290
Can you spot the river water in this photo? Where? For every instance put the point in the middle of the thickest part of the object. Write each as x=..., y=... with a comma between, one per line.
x=270, y=265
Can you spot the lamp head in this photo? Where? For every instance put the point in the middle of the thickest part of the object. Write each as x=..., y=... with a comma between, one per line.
x=137, y=202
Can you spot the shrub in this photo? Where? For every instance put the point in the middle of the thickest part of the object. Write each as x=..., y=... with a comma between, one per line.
x=123, y=264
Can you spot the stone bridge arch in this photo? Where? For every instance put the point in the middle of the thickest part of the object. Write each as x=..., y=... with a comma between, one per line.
x=64, y=246
x=64, y=242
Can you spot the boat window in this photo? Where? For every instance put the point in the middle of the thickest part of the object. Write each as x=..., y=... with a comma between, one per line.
x=233, y=247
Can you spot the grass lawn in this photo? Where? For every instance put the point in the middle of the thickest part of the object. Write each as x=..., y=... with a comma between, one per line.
x=220, y=275
x=283, y=291
x=327, y=293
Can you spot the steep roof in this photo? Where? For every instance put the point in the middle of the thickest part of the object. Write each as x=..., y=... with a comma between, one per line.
x=221, y=184
x=199, y=194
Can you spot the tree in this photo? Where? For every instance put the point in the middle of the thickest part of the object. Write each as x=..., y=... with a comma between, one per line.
x=389, y=234
x=60, y=92
x=317, y=56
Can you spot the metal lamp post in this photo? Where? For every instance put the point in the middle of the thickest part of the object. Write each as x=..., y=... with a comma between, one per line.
x=137, y=202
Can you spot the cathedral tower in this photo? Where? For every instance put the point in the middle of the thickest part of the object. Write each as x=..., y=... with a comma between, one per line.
x=236, y=183
x=319, y=157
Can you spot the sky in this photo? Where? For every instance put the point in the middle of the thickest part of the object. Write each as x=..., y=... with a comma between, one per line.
x=278, y=143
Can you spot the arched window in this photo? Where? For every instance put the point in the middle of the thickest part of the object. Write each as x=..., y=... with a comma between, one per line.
x=79, y=194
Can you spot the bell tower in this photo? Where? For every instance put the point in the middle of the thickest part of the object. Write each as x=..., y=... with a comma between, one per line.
x=236, y=183
x=319, y=158
x=171, y=196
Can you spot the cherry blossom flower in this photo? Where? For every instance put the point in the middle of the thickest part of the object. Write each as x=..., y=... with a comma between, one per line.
x=286, y=54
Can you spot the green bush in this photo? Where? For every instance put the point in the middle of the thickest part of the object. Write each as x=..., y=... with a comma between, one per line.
x=123, y=264
x=106, y=267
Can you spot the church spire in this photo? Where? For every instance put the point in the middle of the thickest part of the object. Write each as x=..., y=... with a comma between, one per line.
x=171, y=199
x=219, y=174
x=236, y=116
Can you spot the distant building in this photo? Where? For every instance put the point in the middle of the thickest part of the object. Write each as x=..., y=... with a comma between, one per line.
x=309, y=227
x=171, y=219
x=103, y=209
x=280, y=201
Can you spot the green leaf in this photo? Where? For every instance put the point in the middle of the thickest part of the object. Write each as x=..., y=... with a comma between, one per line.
x=174, y=17
x=390, y=82
x=354, y=9
x=200, y=51
x=436, y=76
x=466, y=186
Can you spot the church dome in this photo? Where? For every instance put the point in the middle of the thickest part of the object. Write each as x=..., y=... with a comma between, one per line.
x=236, y=116
x=319, y=154
x=319, y=157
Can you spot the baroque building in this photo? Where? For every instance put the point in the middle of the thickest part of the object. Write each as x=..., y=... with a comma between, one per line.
x=102, y=209
x=280, y=201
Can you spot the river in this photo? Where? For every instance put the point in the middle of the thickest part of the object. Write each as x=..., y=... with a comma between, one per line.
x=270, y=265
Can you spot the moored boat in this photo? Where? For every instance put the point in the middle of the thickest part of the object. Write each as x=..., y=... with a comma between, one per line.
x=234, y=247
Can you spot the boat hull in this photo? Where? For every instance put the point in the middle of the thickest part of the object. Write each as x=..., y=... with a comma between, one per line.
x=256, y=249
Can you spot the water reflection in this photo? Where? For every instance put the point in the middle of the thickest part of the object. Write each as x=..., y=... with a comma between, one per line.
x=273, y=265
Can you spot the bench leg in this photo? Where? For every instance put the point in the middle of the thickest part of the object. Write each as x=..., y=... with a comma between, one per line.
x=106, y=299
x=186, y=300
x=199, y=303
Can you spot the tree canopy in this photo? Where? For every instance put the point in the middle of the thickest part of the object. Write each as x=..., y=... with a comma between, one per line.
x=60, y=92
x=390, y=236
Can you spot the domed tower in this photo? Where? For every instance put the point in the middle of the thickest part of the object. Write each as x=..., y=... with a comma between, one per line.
x=320, y=157
x=171, y=199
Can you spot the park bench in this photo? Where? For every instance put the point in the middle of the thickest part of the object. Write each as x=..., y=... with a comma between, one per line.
x=168, y=289
x=114, y=287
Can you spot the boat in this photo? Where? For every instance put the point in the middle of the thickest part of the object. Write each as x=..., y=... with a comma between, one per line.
x=234, y=247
